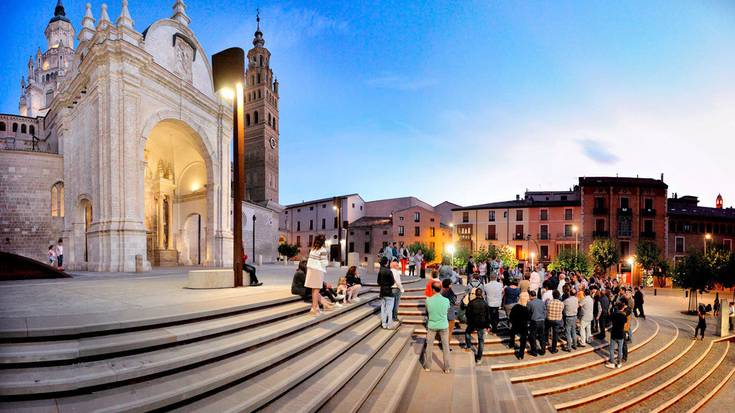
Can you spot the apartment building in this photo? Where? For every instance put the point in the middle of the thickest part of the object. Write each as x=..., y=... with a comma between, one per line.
x=692, y=225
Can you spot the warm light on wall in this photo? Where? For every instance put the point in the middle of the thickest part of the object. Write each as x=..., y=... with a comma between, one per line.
x=195, y=186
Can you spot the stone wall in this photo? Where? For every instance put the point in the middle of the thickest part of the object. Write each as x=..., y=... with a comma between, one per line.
x=266, y=232
x=26, y=225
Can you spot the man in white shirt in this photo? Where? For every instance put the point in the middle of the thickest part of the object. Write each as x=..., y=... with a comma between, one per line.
x=60, y=254
x=494, y=297
x=587, y=306
x=535, y=281
x=397, y=286
x=562, y=281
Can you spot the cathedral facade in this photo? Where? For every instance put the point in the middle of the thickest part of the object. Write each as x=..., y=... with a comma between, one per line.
x=129, y=158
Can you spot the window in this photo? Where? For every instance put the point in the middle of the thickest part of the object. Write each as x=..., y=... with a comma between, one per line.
x=599, y=203
x=57, y=200
x=432, y=231
x=32, y=130
x=624, y=249
x=544, y=252
x=519, y=232
x=255, y=117
x=367, y=247
x=324, y=223
x=679, y=244
x=491, y=233
x=544, y=215
x=599, y=225
x=311, y=240
x=298, y=225
x=505, y=214
x=351, y=247
x=353, y=205
x=519, y=252
x=568, y=214
x=23, y=129
x=544, y=232
x=258, y=77
x=400, y=218
x=568, y=230
x=298, y=240
x=15, y=127
x=385, y=233
x=401, y=230
x=311, y=227
x=624, y=203
x=269, y=119
x=431, y=219
x=311, y=208
x=648, y=226
x=648, y=203
x=417, y=217
x=519, y=215
x=417, y=231
x=727, y=243
x=324, y=206
x=491, y=216
x=336, y=223
x=432, y=245
x=2, y=126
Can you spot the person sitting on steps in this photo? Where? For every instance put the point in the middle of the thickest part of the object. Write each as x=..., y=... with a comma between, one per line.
x=249, y=269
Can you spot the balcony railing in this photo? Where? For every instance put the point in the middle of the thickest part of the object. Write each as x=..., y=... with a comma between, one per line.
x=624, y=211
x=599, y=211
x=648, y=212
x=648, y=234
x=492, y=237
x=600, y=234
x=518, y=236
x=564, y=235
x=624, y=233
x=544, y=236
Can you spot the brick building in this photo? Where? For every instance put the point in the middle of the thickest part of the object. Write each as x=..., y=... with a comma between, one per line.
x=691, y=224
x=541, y=222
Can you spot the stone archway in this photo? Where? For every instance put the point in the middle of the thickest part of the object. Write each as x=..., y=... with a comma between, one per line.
x=178, y=181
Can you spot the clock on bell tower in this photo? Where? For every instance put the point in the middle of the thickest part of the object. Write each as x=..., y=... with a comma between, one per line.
x=261, y=124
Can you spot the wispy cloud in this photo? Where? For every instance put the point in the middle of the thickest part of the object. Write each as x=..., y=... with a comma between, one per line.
x=596, y=151
x=288, y=26
x=401, y=83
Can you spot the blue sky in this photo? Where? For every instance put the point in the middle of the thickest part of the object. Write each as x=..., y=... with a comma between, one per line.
x=466, y=101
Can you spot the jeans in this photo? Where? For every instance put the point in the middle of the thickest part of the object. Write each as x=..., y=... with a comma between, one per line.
x=555, y=327
x=494, y=318
x=537, y=333
x=60, y=261
x=411, y=270
x=429, y=347
x=570, y=332
x=386, y=311
x=611, y=348
x=250, y=270
x=585, y=331
x=701, y=327
x=480, y=340
x=396, y=301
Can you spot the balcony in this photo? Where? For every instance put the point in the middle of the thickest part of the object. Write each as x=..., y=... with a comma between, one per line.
x=491, y=237
x=648, y=234
x=518, y=236
x=648, y=212
x=565, y=236
x=544, y=236
x=599, y=211
x=625, y=211
x=600, y=234
x=624, y=233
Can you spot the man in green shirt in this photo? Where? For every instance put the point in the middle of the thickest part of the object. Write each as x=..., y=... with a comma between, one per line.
x=437, y=307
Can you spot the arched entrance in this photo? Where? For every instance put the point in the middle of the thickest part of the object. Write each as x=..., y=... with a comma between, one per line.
x=177, y=181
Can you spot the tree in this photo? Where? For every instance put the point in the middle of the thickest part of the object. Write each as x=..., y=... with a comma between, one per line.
x=570, y=260
x=288, y=250
x=662, y=271
x=429, y=253
x=693, y=273
x=648, y=256
x=461, y=255
x=721, y=263
x=603, y=254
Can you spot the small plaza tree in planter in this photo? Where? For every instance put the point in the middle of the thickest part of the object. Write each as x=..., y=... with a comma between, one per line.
x=288, y=250
x=604, y=254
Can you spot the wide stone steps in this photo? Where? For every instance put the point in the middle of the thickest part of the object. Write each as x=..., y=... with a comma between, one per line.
x=715, y=393
x=632, y=383
x=393, y=391
x=579, y=371
x=304, y=382
x=193, y=375
x=86, y=347
x=350, y=397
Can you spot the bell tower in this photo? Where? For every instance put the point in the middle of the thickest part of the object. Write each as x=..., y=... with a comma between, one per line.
x=261, y=124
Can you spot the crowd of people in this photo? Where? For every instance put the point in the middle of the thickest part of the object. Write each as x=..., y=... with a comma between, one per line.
x=408, y=261
x=537, y=308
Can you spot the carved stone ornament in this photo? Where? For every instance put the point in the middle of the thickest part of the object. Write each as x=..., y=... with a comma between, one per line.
x=184, y=58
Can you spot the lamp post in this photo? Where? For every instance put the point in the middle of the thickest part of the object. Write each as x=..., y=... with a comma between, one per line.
x=533, y=256
x=631, y=262
x=228, y=72
x=253, y=237
x=450, y=249
x=575, y=230
x=338, y=209
x=707, y=237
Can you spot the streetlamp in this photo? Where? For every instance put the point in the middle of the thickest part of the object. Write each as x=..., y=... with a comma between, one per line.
x=450, y=249
x=631, y=262
x=533, y=255
x=575, y=230
x=707, y=237
x=253, y=238
x=228, y=72
x=338, y=209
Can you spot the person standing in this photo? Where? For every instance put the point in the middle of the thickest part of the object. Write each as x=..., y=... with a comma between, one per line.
x=397, y=288
x=60, y=254
x=429, y=290
x=482, y=269
x=478, y=317
x=638, y=298
x=469, y=269
x=732, y=315
x=419, y=260
x=537, y=332
x=535, y=282
x=617, y=335
x=494, y=295
x=388, y=253
x=316, y=267
x=403, y=255
x=51, y=255
x=385, y=282
x=519, y=316
x=586, y=307
x=511, y=294
x=554, y=311
x=701, y=322
x=603, y=305
x=437, y=307
x=412, y=265
x=571, y=309
x=449, y=294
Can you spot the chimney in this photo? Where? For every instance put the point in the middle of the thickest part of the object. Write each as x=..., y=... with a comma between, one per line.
x=518, y=197
x=662, y=176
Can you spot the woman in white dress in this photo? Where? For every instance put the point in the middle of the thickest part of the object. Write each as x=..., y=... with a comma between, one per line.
x=316, y=267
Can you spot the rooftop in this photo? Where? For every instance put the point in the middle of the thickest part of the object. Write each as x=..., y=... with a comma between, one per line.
x=622, y=181
x=317, y=201
x=521, y=203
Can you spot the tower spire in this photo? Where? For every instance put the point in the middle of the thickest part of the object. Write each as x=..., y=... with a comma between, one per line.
x=59, y=13
x=258, y=41
x=180, y=13
x=125, y=19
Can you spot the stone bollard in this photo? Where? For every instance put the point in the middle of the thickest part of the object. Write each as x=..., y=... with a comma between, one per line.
x=370, y=264
x=139, y=266
x=260, y=259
